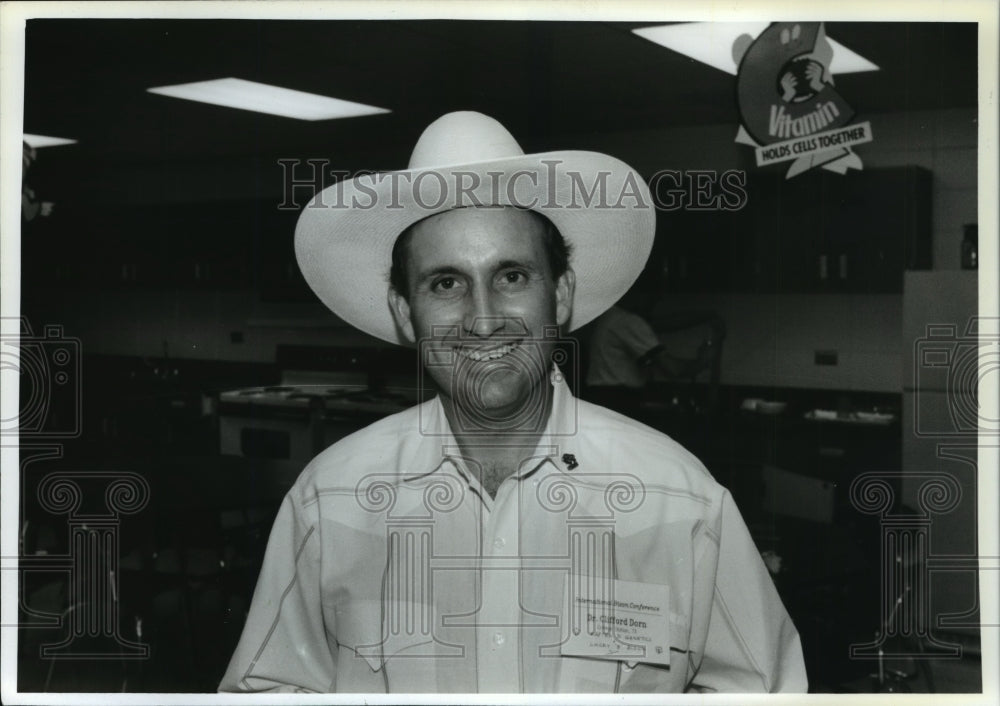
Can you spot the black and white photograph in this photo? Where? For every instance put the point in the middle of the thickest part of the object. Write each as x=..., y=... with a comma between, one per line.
x=397, y=352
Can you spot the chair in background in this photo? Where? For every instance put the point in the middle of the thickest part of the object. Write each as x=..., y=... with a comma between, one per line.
x=695, y=339
x=686, y=405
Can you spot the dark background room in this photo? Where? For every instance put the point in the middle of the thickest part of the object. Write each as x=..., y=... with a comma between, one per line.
x=203, y=373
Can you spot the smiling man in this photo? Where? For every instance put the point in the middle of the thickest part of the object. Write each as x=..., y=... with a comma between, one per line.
x=493, y=281
x=502, y=536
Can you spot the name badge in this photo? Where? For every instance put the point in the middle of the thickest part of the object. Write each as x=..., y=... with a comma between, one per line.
x=612, y=619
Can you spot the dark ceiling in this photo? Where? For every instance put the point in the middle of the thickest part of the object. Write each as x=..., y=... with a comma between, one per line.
x=547, y=81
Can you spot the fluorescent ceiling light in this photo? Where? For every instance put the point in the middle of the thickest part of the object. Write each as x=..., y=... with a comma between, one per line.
x=712, y=43
x=845, y=61
x=708, y=42
x=39, y=141
x=262, y=98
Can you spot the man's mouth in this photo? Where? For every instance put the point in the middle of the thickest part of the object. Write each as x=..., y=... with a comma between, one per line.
x=485, y=354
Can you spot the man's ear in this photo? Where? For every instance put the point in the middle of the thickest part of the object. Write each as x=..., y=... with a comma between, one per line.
x=401, y=313
x=565, y=287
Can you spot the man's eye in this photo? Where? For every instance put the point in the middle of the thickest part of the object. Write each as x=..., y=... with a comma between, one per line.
x=444, y=284
x=514, y=277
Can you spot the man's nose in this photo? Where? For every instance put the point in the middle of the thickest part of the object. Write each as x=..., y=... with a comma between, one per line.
x=483, y=317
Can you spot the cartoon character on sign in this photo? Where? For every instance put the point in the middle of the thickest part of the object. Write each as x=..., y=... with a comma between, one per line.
x=785, y=92
x=804, y=76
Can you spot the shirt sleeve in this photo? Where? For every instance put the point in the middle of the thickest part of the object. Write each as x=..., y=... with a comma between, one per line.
x=284, y=646
x=752, y=645
x=637, y=336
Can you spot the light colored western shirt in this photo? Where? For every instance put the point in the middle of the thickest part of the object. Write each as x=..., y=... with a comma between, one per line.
x=390, y=569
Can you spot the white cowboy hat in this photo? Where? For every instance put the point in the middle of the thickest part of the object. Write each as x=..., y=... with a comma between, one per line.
x=600, y=205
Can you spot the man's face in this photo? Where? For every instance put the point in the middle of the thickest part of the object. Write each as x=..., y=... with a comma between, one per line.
x=481, y=295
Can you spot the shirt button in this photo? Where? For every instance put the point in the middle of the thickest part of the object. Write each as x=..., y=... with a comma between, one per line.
x=499, y=638
x=499, y=543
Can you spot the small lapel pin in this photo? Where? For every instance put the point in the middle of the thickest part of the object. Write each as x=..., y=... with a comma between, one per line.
x=570, y=461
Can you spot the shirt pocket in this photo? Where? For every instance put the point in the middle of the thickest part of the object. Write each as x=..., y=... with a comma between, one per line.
x=359, y=633
x=391, y=642
x=647, y=677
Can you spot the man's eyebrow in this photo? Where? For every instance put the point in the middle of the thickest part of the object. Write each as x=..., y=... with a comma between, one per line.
x=518, y=264
x=455, y=271
x=437, y=271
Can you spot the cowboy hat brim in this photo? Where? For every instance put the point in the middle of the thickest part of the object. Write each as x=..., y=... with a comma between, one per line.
x=600, y=205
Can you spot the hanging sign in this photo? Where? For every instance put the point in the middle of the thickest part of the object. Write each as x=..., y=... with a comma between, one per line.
x=789, y=108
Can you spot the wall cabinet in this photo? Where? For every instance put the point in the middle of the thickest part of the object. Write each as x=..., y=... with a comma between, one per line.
x=221, y=245
x=817, y=232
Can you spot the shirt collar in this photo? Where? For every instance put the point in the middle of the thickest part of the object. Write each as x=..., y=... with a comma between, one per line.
x=438, y=447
